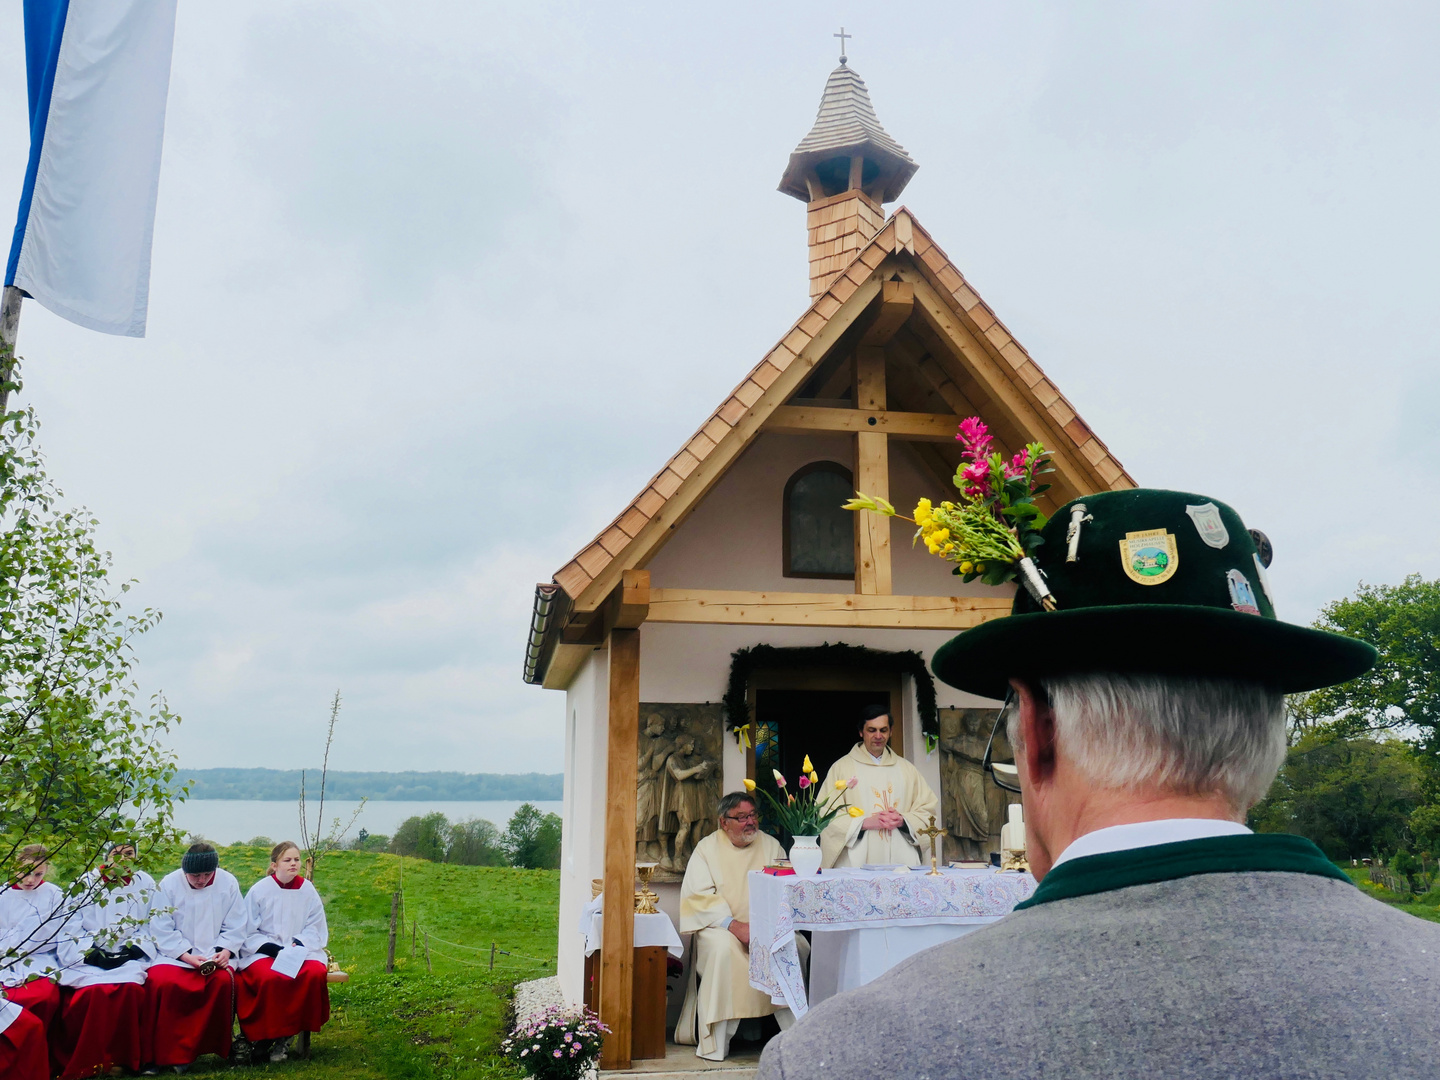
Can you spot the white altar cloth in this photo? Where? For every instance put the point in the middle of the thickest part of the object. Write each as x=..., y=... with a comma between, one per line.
x=654, y=929
x=865, y=922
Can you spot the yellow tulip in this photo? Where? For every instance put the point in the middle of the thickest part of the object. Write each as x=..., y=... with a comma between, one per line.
x=807, y=767
x=749, y=784
x=814, y=777
x=841, y=785
x=855, y=811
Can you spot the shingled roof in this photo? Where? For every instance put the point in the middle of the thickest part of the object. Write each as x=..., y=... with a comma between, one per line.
x=846, y=125
x=643, y=526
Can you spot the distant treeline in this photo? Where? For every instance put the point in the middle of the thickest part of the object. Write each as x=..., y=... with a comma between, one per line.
x=380, y=786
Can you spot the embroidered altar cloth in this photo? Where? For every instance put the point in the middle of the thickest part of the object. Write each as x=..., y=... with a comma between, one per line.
x=862, y=900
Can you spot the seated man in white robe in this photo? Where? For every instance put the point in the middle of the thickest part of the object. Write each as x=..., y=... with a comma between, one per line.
x=897, y=801
x=715, y=907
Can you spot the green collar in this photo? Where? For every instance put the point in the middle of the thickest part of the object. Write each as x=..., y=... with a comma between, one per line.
x=1166, y=862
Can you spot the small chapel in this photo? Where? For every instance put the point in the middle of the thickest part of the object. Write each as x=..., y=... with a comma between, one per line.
x=733, y=617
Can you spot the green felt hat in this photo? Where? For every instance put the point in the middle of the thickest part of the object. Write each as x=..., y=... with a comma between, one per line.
x=1162, y=582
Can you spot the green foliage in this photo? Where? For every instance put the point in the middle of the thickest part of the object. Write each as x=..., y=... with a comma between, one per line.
x=368, y=841
x=425, y=837
x=281, y=784
x=476, y=842
x=1352, y=797
x=1402, y=692
x=1425, y=829
x=81, y=764
x=532, y=839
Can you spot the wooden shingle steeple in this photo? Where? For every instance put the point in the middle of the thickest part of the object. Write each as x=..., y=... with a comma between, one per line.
x=844, y=170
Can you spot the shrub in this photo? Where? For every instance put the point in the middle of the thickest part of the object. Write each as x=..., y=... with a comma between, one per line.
x=532, y=839
x=425, y=837
x=476, y=842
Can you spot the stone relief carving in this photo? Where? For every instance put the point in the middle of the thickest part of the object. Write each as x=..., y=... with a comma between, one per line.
x=974, y=806
x=678, y=783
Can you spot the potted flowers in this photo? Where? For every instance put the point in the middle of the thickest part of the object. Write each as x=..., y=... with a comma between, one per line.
x=556, y=1043
x=804, y=816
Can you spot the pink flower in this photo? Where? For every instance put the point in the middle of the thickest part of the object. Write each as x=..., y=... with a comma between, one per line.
x=1018, y=464
x=804, y=782
x=853, y=782
x=779, y=779
x=557, y=1053
x=973, y=433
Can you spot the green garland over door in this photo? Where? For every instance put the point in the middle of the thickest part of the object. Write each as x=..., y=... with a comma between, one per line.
x=744, y=662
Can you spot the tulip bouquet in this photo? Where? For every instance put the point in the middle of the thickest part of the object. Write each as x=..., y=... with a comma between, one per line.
x=993, y=530
x=805, y=814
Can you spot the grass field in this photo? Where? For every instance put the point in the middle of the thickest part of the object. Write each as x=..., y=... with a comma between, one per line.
x=1427, y=908
x=413, y=1023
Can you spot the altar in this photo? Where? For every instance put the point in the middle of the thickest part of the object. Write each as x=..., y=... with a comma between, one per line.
x=863, y=922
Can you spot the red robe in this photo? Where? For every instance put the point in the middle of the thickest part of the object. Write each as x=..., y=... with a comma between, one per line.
x=186, y=1014
x=270, y=1006
x=40, y=996
x=24, y=1053
x=99, y=1028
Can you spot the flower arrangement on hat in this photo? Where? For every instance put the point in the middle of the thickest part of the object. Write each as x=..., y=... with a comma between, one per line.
x=557, y=1043
x=805, y=814
x=994, y=528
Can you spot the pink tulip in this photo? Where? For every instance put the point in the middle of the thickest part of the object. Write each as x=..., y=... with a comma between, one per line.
x=804, y=782
x=854, y=782
x=779, y=779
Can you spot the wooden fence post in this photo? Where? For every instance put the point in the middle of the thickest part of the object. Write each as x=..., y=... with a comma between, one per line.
x=428, y=968
x=390, y=952
x=414, y=928
x=492, y=956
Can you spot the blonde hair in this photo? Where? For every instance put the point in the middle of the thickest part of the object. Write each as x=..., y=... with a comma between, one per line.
x=279, y=849
x=34, y=854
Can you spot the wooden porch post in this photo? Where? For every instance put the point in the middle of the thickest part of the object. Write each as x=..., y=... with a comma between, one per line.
x=617, y=945
x=872, y=476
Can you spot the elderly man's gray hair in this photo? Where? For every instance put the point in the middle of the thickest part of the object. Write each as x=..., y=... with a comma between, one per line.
x=734, y=799
x=1187, y=735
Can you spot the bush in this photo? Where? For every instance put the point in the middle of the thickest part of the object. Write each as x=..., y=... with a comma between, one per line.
x=476, y=842
x=368, y=841
x=555, y=1044
x=532, y=839
x=260, y=841
x=424, y=837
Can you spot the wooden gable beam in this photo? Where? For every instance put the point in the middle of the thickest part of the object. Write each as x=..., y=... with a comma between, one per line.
x=805, y=420
x=872, y=476
x=1070, y=469
x=706, y=473
x=897, y=301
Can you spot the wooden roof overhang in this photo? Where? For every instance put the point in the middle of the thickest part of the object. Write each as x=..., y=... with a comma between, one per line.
x=945, y=355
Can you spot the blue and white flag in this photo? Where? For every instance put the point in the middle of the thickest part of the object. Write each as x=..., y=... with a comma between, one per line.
x=98, y=74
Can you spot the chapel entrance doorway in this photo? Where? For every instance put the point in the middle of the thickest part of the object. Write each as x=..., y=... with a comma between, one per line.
x=816, y=713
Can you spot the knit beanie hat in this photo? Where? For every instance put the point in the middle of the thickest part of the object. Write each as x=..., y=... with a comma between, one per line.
x=200, y=862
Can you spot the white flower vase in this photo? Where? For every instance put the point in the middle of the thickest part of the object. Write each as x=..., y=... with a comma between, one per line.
x=805, y=855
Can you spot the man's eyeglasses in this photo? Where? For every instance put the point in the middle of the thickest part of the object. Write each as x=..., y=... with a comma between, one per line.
x=742, y=818
x=1003, y=772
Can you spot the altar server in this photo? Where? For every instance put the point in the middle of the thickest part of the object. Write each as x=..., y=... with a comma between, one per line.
x=1147, y=715
x=107, y=945
x=31, y=921
x=281, y=989
x=715, y=907
x=189, y=989
x=895, y=797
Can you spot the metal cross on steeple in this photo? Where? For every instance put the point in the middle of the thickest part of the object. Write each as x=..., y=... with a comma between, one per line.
x=842, y=36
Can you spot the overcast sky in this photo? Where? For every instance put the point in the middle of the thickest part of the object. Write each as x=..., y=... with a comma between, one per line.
x=438, y=286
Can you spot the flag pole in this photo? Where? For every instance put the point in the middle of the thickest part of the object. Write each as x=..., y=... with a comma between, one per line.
x=9, y=328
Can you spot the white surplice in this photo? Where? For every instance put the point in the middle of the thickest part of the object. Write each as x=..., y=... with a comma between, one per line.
x=112, y=919
x=282, y=917
x=31, y=921
x=891, y=783
x=716, y=891
x=199, y=921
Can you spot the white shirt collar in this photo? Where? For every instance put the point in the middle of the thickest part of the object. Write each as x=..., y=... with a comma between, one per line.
x=879, y=758
x=1148, y=833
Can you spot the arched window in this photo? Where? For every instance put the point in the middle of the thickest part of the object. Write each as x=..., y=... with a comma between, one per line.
x=819, y=535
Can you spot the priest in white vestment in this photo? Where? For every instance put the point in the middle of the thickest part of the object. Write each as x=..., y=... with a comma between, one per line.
x=895, y=797
x=715, y=907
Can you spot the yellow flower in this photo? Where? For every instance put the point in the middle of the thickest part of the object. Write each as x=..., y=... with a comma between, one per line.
x=841, y=785
x=855, y=811
x=940, y=535
x=807, y=767
x=949, y=548
x=966, y=567
x=749, y=784
x=814, y=776
x=923, y=511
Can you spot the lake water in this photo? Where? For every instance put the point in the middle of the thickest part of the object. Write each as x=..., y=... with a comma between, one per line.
x=229, y=821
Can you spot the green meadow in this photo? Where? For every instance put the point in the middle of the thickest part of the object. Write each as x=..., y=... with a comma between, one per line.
x=440, y=1023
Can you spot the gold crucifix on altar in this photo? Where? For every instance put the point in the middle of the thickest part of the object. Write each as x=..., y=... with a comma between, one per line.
x=932, y=832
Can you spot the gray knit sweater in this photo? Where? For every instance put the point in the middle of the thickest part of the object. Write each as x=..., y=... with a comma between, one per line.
x=1257, y=973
